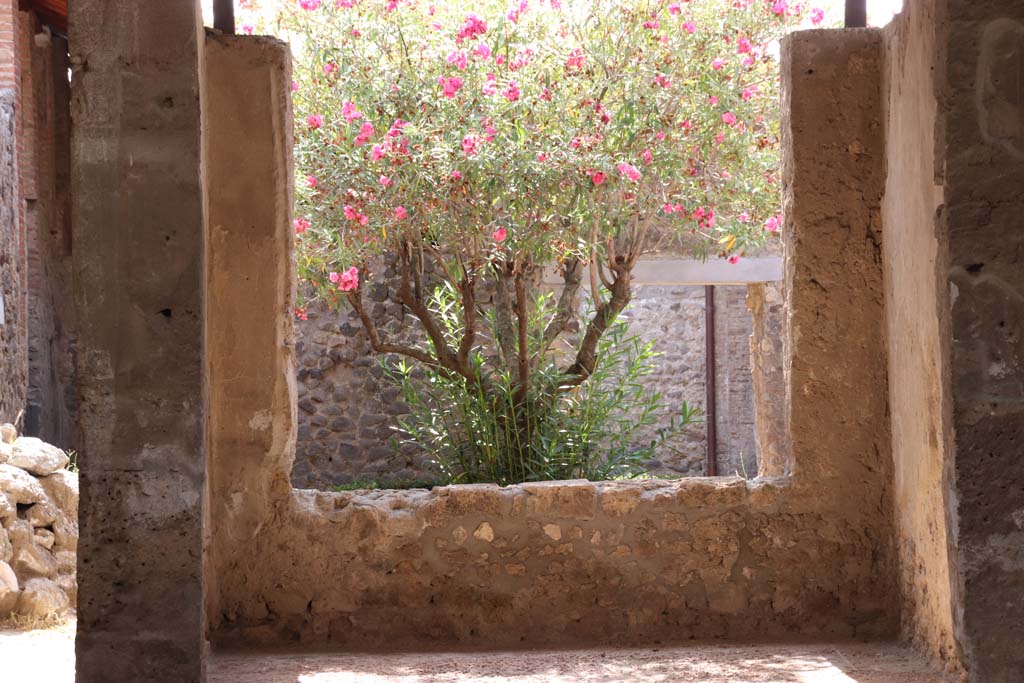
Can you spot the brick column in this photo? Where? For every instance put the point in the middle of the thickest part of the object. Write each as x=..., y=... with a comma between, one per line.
x=139, y=236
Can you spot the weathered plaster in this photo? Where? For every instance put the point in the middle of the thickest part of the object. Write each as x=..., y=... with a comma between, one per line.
x=917, y=321
x=575, y=562
x=139, y=238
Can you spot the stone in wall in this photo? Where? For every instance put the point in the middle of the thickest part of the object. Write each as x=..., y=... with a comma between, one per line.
x=38, y=528
x=13, y=345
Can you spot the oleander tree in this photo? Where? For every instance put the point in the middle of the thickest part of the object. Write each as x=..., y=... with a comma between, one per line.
x=481, y=142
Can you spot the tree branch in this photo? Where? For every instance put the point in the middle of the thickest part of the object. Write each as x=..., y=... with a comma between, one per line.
x=355, y=297
x=524, y=337
x=565, y=311
x=586, y=356
x=503, y=328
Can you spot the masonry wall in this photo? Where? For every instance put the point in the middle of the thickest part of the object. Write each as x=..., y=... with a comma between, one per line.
x=51, y=408
x=570, y=563
x=13, y=329
x=348, y=410
x=982, y=147
x=917, y=312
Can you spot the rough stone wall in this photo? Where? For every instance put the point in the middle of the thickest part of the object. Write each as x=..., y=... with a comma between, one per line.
x=13, y=330
x=734, y=383
x=348, y=409
x=560, y=564
x=139, y=241
x=13, y=344
x=917, y=318
x=982, y=148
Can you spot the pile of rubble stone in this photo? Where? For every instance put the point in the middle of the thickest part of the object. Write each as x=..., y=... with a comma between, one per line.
x=38, y=527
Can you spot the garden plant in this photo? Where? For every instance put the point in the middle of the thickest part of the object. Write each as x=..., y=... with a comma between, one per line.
x=480, y=144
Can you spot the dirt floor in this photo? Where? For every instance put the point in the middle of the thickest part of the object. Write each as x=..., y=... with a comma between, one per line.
x=49, y=656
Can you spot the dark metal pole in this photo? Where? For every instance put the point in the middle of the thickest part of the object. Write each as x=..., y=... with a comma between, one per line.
x=856, y=13
x=224, y=16
x=710, y=412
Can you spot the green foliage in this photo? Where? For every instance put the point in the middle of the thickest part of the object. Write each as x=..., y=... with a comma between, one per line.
x=489, y=433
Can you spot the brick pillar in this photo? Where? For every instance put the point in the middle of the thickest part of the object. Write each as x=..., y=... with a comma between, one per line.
x=138, y=242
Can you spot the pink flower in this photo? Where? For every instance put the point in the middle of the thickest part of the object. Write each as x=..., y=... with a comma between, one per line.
x=348, y=4
x=392, y=5
x=674, y=8
x=597, y=177
x=456, y=175
x=749, y=60
x=773, y=224
x=668, y=208
x=663, y=80
x=499, y=235
x=742, y=45
x=712, y=99
x=734, y=259
x=350, y=213
x=779, y=7
x=458, y=58
x=542, y=157
x=648, y=157
x=686, y=125
x=491, y=131
x=575, y=59
x=330, y=68
x=349, y=280
x=720, y=138
x=545, y=94
x=743, y=217
x=748, y=93
x=817, y=16
x=365, y=133
x=248, y=29
x=469, y=145
x=729, y=118
x=311, y=181
x=333, y=277
x=472, y=27
x=490, y=85
x=689, y=27
x=377, y=152
x=482, y=50
x=400, y=213
x=295, y=86
x=511, y=92
x=499, y=60
x=629, y=171
x=385, y=181
x=717, y=63
x=314, y=121
x=350, y=111
x=309, y=4
x=450, y=85
x=300, y=313
x=301, y=225
x=652, y=25
x=396, y=128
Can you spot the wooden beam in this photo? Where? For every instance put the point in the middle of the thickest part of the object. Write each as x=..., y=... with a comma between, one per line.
x=856, y=13
x=679, y=271
x=224, y=16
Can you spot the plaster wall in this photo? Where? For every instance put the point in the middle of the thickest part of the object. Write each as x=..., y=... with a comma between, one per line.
x=139, y=238
x=576, y=562
x=917, y=315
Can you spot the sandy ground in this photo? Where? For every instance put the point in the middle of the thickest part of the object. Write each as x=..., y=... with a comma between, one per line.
x=48, y=656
